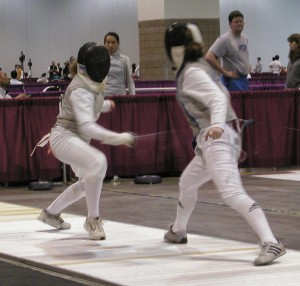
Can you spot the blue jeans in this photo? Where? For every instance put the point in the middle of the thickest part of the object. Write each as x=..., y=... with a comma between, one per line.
x=234, y=84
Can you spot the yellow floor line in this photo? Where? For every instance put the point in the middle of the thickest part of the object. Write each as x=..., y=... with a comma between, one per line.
x=157, y=256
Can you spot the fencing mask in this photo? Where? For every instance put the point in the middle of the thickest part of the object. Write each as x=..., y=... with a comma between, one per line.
x=176, y=40
x=94, y=61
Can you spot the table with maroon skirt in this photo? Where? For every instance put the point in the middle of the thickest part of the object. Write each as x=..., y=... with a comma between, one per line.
x=273, y=141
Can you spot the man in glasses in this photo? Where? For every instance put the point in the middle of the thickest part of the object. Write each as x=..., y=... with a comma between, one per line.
x=229, y=54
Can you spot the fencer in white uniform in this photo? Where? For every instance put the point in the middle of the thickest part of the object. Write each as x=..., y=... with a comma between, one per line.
x=206, y=105
x=69, y=140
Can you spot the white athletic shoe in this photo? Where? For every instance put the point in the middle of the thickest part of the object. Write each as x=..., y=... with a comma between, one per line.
x=269, y=252
x=94, y=227
x=53, y=220
x=175, y=237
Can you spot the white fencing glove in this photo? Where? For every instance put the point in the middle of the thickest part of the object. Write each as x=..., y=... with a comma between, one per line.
x=125, y=138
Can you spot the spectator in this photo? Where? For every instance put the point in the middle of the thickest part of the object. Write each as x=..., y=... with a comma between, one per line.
x=4, y=84
x=19, y=71
x=250, y=71
x=275, y=65
x=232, y=48
x=293, y=68
x=135, y=72
x=13, y=79
x=26, y=78
x=258, y=66
x=283, y=70
x=65, y=71
x=119, y=75
x=59, y=72
x=53, y=71
x=72, y=60
x=43, y=78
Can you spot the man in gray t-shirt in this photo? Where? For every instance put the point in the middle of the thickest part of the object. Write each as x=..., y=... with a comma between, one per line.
x=232, y=49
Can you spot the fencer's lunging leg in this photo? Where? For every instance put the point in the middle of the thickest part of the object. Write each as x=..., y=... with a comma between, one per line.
x=223, y=168
x=89, y=165
x=72, y=194
x=193, y=177
x=254, y=215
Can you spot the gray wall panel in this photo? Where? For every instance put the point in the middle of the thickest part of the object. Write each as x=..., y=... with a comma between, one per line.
x=37, y=36
x=14, y=33
x=47, y=30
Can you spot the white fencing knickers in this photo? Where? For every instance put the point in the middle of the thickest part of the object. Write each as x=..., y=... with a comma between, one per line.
x=218, y=162
x=89, y=165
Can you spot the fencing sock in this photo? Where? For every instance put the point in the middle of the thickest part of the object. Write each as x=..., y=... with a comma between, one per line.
x=185, y=207
x=254, y=215
x=93, y=186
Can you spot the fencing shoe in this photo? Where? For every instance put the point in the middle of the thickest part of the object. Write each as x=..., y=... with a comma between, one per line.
x=269, y=252
x=179, y=237
x=53, y=220
x=94, y=227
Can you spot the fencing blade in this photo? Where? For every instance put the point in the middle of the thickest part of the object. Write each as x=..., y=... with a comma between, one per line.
x=149, y=135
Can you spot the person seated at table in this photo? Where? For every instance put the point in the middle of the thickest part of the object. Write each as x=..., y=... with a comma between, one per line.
x=4, y=84
x=13, y=79
x=43, y=78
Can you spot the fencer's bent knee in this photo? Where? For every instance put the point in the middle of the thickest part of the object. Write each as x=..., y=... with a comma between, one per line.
x=97, y=166
x=185, y=184
x=234, y=201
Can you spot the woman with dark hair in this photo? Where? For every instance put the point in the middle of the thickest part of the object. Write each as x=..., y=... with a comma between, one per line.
x=275, y=65
x=206, y=104
x=293, y=68
x=119, y=75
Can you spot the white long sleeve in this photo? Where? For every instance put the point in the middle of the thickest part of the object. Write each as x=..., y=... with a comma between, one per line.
x=198, y=85
x=85, y=107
